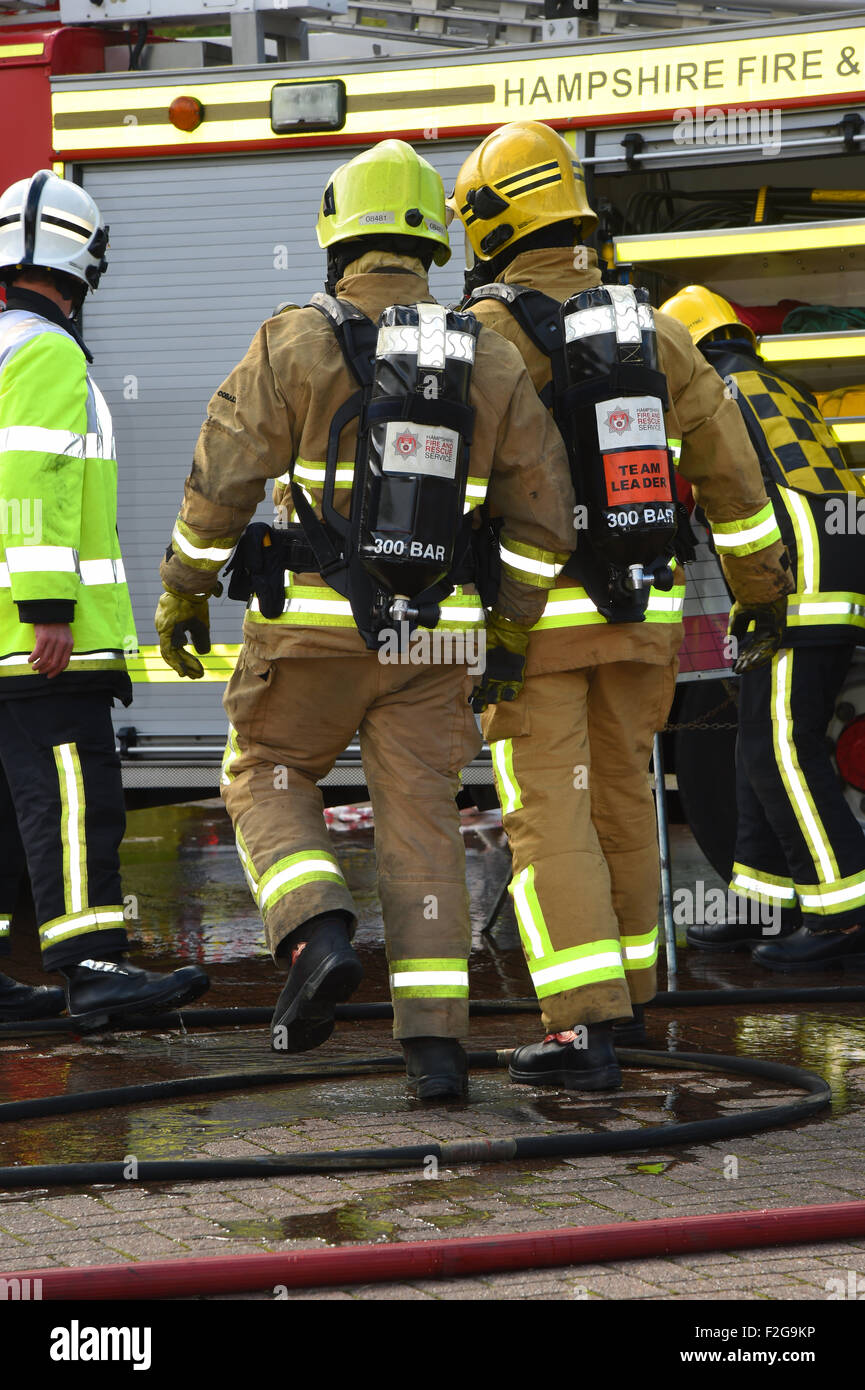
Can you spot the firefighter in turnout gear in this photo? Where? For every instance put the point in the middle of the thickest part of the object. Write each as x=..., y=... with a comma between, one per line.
x=799, y=847
x=307, y=679
x=65, y=622
x=571, y=753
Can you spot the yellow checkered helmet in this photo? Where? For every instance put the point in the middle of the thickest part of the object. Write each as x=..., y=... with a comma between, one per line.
x=703, y=313
x=388, y=190
x=522, y=177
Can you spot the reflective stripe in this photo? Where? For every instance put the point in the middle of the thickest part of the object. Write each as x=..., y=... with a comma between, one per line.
x=587, y=965
x=247, y=864
x=90, y=572
x=510, y=795
x=640, y=952
x=750, y=534
x=764, y=887
x=231, y=754
x=5, y=926
x=293, y=872
x=791, y=773
x=102, y=572
x=310, y=605
x=41, y=559
x=530, y=918
x=829, y=606
x=806, y=541
x=675, y=446
x=430, y=978
x=72, y=830
x=19, y=658
x=525, y=560
x=75, y=923
x=199, y=550
x=31, y=439
x=476, y=488
x=315, y=473
x=574, y=608
x=847, y=892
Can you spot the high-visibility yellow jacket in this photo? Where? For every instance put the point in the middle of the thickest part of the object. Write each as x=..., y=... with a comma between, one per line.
x=712, y=451
x=60, y=557
x=276, y=409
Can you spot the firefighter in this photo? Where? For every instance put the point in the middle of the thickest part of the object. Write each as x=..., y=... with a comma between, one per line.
x=306, y=681
x=571, y=753
x=65, y=621
x=799, y=848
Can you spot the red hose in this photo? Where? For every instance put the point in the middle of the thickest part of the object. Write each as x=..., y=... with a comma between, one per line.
x=457, y=1258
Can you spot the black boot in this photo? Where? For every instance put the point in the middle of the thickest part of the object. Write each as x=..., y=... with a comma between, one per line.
x=436, y=1068
x=102, y=991
x=811, y=950
x=631, y=1032
x=324, y=971
x=560, y=1062
x=734, y=936
x=20, y=1003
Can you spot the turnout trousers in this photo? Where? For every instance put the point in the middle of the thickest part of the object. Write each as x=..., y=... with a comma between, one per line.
x=290, y=719
x=62, y=816
x=571, y=757
x=799, y=846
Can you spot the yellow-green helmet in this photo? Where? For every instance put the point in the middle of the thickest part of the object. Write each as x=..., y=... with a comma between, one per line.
x=522, y=177
x=389, y=189
x=704, y=313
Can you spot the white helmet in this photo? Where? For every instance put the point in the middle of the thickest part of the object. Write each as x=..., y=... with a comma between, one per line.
x=48, y=222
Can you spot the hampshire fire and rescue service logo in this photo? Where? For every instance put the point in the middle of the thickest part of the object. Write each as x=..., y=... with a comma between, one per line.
x=618, y=421
x=406, y=444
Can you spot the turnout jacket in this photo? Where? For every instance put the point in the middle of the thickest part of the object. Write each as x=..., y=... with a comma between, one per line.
x=814, y=493
x=60, y=558
x=276, y=408
x=711, y=449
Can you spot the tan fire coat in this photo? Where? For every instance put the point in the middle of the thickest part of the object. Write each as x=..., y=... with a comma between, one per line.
x=276, y=408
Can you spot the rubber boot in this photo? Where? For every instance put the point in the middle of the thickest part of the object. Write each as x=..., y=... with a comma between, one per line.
x=436, y=1068
x=324, y=971
x=102, y=991
x=631, y=1032
x=19, y=1003
x=560, y=1062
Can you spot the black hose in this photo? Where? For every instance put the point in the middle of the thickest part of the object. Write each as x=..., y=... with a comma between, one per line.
x=416, y=1156
x=478, y=1008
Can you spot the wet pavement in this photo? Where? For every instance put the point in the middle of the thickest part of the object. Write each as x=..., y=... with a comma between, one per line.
x=188, y=900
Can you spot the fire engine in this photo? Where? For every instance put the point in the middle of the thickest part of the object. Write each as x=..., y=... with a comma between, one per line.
x=726, y=153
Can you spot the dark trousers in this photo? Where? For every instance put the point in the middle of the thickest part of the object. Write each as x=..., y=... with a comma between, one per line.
x=798, y=844
x=61, y=810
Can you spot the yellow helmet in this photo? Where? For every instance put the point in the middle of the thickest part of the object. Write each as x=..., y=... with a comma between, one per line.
x=703, y=312
x=522, y=177
x=388, y=189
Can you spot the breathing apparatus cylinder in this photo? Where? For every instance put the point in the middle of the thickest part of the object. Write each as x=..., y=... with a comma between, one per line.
x=415, y=452
x=615, y=399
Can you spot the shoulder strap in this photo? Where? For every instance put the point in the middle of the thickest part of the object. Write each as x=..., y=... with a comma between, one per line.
x=538, y=316
x=355, y=333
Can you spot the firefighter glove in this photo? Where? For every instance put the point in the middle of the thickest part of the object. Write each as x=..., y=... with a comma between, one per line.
x=758, y=630
x=176, y=616
x=506, y=645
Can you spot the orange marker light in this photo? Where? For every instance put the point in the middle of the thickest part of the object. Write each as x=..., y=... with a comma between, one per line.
x=186, y=113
